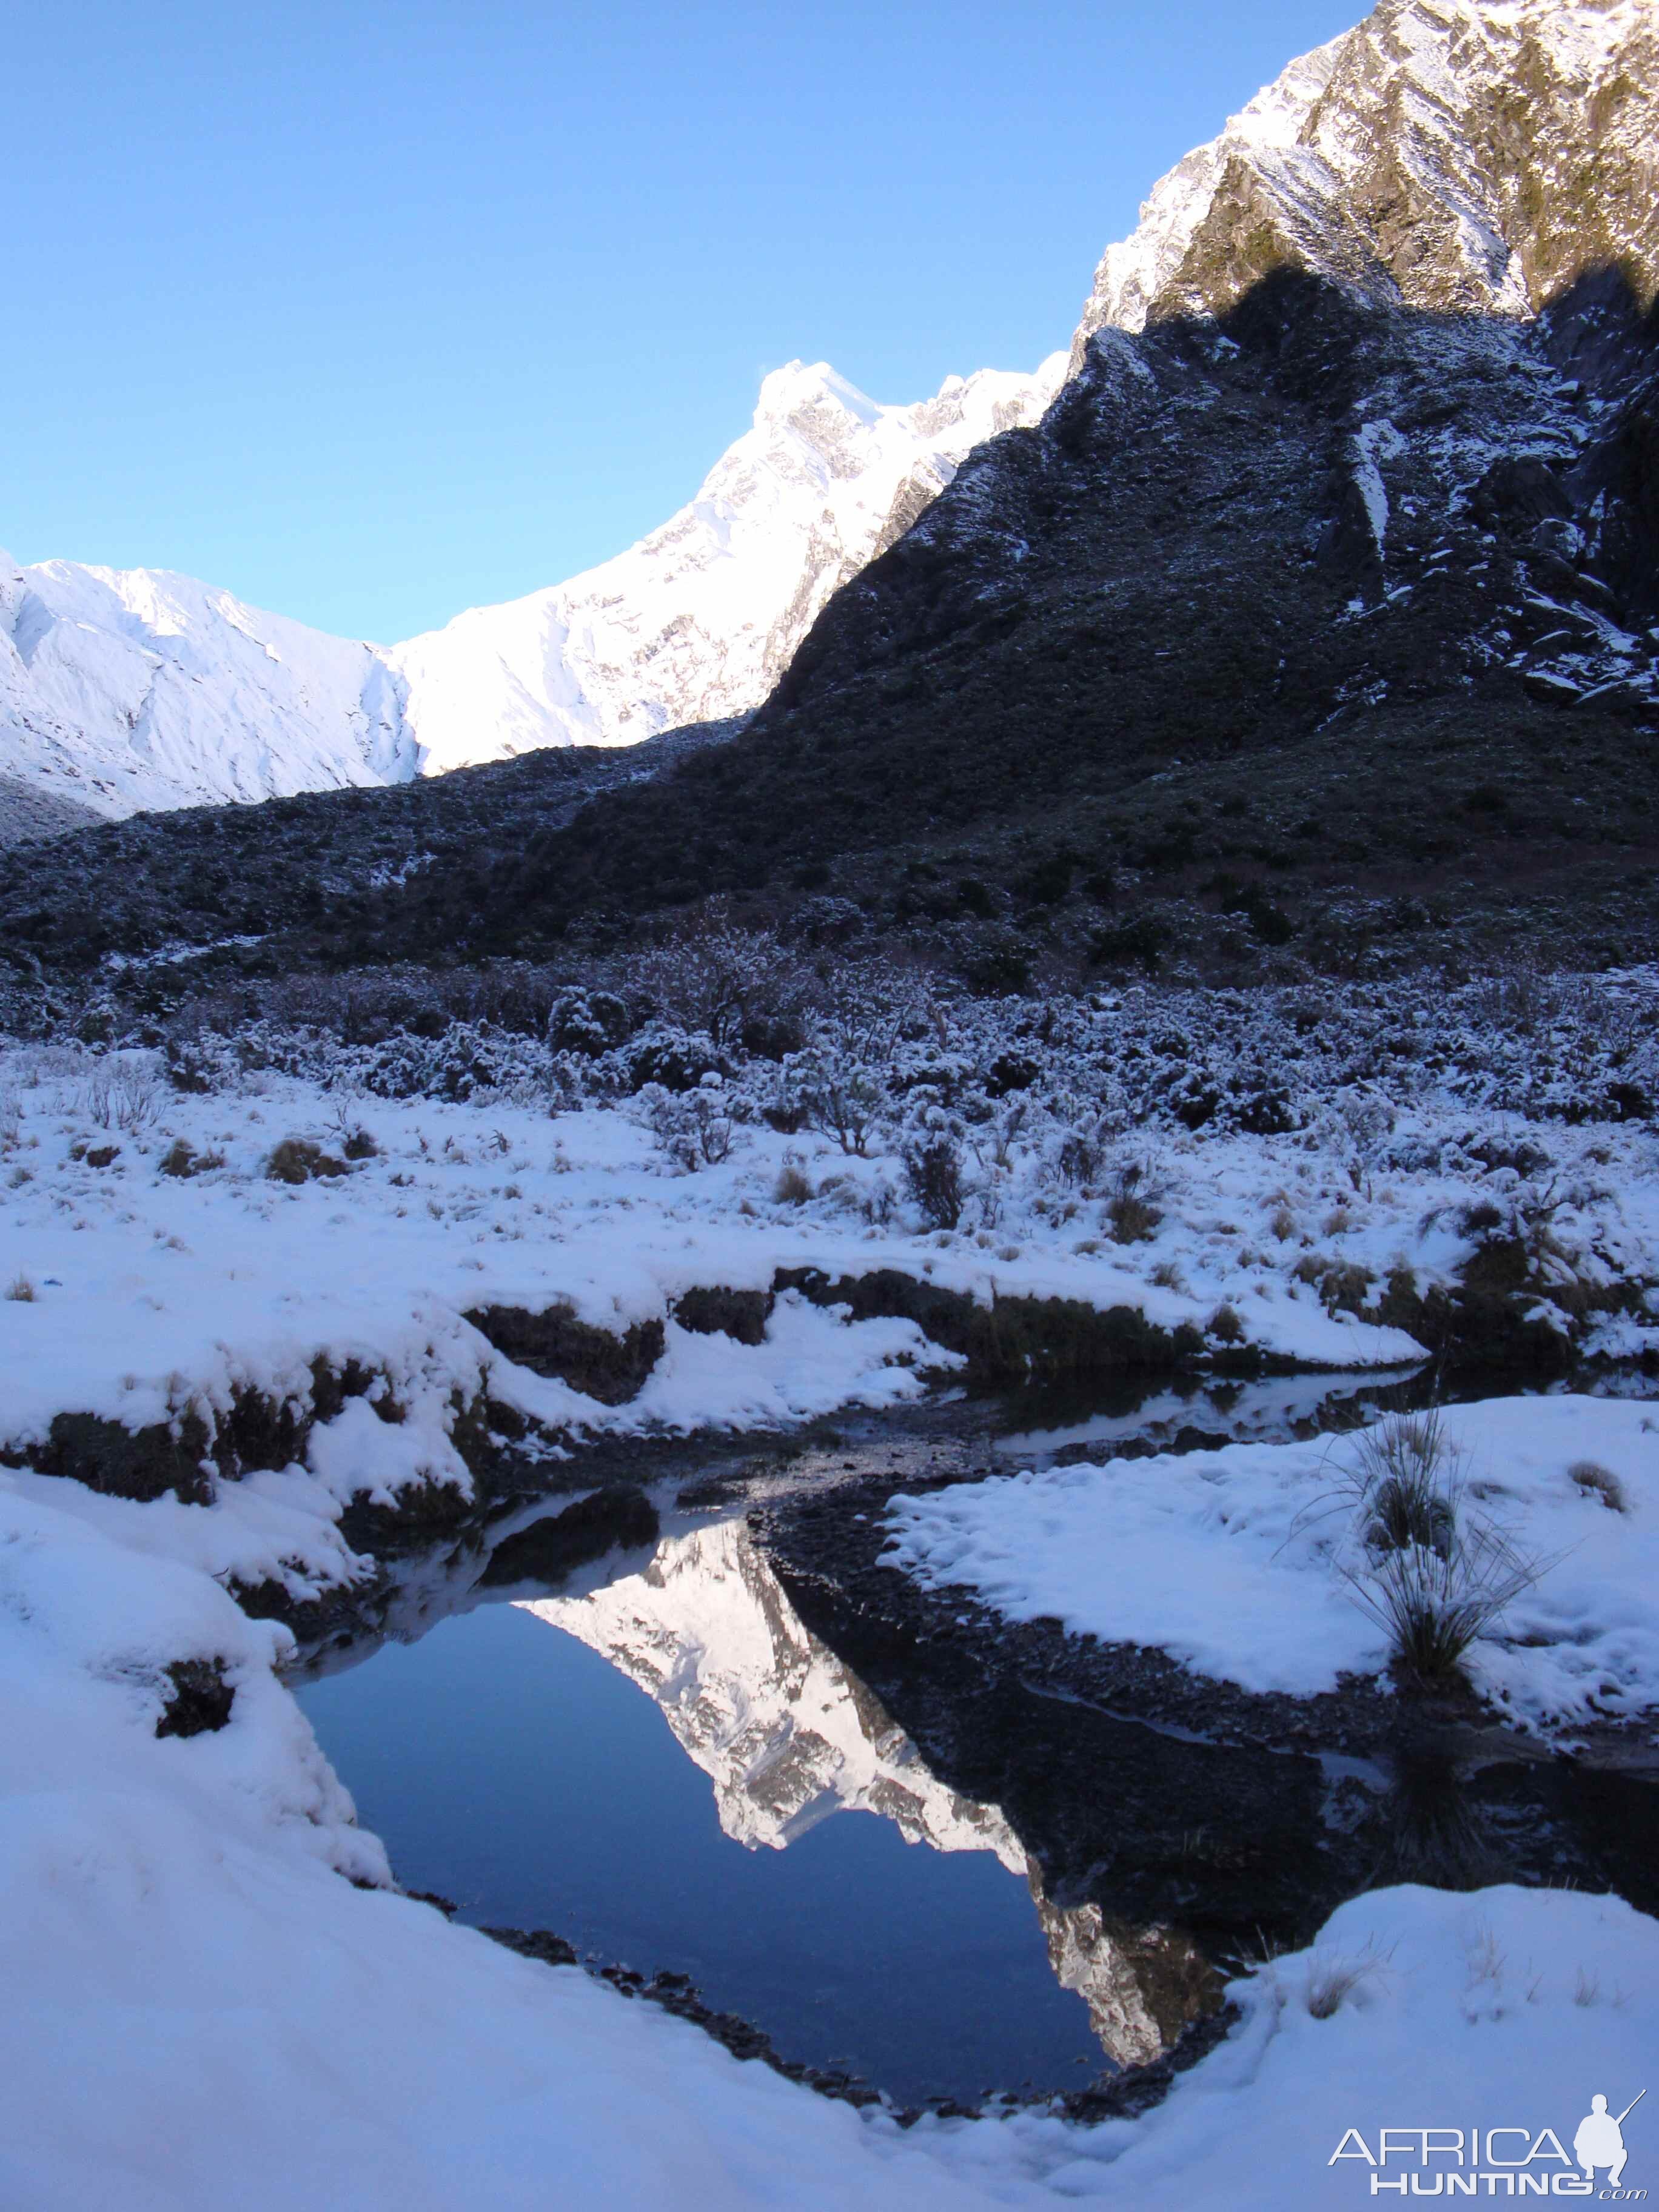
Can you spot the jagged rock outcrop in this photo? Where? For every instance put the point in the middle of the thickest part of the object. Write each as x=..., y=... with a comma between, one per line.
x=1465, y=155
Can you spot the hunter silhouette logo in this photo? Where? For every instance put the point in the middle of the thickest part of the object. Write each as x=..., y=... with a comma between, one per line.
x=1507, y=2162
x=1600, y=2139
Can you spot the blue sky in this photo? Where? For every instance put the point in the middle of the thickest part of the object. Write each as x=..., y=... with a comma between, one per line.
x=371, y=313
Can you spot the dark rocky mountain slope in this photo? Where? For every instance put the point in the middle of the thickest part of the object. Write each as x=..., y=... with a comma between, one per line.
x=1318, y=605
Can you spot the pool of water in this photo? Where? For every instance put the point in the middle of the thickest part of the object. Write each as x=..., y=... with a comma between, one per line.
x=654, y=1759
x=515, y=1770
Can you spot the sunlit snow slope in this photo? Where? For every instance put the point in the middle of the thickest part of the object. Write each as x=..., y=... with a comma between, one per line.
x=122, y=688
x=698, y=620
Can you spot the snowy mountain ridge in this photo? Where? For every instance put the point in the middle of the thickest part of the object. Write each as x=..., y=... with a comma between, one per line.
x=697, y=620
x=1465, y=155
x=1469, y=156
x=124, y=689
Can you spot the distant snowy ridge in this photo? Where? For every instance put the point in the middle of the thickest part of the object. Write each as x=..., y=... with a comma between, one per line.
x=1472, y=156
x=122, y=688
x=127, y=688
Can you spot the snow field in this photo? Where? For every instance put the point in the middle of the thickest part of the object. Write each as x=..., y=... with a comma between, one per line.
x=1224, y=1558
x=202, y=2013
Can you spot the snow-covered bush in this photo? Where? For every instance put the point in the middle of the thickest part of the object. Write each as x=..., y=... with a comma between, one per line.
x=696, y=1128
x=933, y=1176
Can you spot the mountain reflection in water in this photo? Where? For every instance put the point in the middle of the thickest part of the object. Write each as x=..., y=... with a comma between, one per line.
x=787, y=1735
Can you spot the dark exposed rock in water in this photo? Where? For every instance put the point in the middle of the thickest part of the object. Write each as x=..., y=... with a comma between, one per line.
x=535, y=1944
x=549, y=1548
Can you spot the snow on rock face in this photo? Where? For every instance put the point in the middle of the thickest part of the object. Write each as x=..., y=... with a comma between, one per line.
x=697, y=620
x=125, y=688
x=1472, y=156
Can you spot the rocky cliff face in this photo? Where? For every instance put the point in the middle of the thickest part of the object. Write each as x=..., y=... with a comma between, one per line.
x=1464, y=155
x=1358, y=596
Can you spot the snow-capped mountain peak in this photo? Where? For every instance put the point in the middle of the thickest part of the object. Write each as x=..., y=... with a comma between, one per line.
x=122, y=689
x=697, y=620
x=1471, y=155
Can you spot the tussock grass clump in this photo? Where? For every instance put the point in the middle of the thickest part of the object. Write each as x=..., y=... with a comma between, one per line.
x=1333, y=1981
x=300, y=1159
x=183, y=1160
x=21, y=1291
x=1598, y=1481
x=1130, y=1215
x=1428, y=1563
x=792, y=1187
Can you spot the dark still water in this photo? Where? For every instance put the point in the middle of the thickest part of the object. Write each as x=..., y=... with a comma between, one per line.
x=508, y=1766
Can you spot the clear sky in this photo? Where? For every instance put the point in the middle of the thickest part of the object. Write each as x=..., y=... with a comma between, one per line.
x=371, y=313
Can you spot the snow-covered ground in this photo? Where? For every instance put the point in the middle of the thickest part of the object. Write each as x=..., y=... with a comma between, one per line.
x=1224, y=1559
x=202, y=2012
x=141, y=1290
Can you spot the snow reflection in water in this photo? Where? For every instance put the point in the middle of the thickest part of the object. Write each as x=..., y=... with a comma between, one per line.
x=510, y=1769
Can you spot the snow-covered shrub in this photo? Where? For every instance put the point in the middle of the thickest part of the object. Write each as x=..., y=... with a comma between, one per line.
x=695, y=1127
x=933, y=1176
x=665, y=1057
x=587, y=1021
x=120, y=1096
x=724, y=981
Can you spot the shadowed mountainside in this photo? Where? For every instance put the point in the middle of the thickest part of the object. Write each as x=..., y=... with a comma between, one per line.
x=1289, y=623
